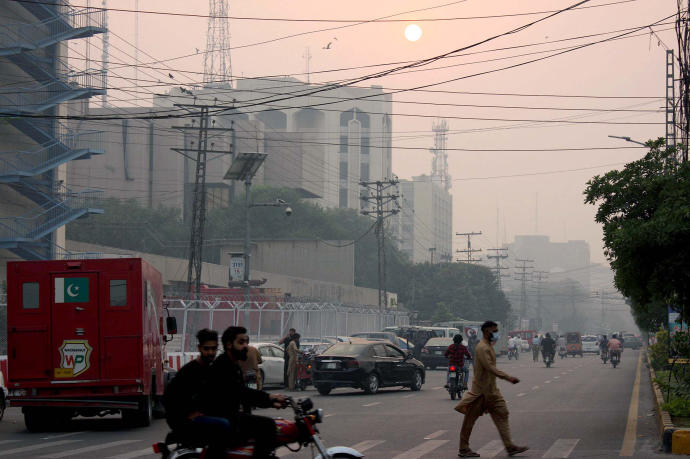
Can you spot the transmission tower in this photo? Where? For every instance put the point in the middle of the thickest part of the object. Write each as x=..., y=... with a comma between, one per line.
x=500, y=255
x=217, y=64
x=198, y=220
x=523, y=277
x=386, y=205
x=439, y=166
x=540, y=277
x=469, y=251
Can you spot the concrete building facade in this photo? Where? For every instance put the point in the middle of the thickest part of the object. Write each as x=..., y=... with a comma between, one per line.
x=425, y=223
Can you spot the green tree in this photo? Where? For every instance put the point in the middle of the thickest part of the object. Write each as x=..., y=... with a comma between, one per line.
x=645, y=212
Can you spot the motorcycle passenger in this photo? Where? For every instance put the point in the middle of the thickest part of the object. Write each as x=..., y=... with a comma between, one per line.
x=456, y=354
x=512, y=346
x=185, y=410
x=227, y=392
x=604, y=345
x=548, y=347
x=536, y=345
x=615, y=346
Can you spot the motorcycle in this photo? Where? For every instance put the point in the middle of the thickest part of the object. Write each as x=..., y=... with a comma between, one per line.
x=615, y=358
x=302, y=430
x=513, y=353
x=455, y=385
x=562, y=352
x=604, y=355
x=548, y=360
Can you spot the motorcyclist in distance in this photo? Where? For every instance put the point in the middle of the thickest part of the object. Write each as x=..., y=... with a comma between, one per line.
x=548, y=347
x=615, y=346
x=456, y=355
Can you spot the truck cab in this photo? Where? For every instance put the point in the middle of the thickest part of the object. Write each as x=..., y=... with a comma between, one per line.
x=85, y=337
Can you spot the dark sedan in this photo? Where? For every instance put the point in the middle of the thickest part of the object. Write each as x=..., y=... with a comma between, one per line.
x=366, y=365
x=434, y=352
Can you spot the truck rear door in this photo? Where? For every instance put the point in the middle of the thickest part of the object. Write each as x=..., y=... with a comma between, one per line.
x=74, y=322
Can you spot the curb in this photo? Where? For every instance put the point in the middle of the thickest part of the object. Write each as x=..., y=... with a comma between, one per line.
x=673, y=439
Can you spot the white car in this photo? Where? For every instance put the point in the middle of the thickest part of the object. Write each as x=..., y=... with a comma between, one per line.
x=590, y=343
x=3, y=396
x=271, y=368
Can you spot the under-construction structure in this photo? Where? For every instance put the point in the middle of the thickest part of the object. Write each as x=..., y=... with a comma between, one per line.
x=38, y=86
x=439, y=165
x=217, y=64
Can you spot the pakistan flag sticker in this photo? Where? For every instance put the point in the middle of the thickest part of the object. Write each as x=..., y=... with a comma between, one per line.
x=71, y=289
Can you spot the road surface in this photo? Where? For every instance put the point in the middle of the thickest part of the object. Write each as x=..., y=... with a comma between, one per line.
x=578, y=408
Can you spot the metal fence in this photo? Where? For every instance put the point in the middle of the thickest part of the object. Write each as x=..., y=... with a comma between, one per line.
x=269, y=321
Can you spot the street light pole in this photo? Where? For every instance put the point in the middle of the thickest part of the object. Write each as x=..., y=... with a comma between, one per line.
x=247, y=255
x=627, y=139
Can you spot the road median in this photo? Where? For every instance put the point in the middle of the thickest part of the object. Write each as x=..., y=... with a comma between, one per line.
x=674, y=439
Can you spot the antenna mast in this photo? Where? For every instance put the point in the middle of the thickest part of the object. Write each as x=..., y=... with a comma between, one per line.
x=217, y=64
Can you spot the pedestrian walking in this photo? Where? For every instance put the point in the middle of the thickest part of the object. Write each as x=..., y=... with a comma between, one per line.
x=484, y=397
x=293, y=355
x=252, y=365
x=536, y=344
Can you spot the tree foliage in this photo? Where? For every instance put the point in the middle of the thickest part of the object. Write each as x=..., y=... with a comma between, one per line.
x=645, y=212
x=448, y=290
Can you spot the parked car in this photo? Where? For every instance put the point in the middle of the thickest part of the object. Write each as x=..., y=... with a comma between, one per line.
x=590, y=343
x=367, y=365
x=389, y=336
x=3, y=396
x=433, y=352
x=271, y=368
x=631, y=341
x=524, y=345
x=314, y=348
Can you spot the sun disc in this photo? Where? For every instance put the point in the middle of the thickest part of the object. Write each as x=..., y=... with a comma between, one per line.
x=413, y=32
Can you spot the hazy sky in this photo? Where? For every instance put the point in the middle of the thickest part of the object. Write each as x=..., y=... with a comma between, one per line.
x=626, y=67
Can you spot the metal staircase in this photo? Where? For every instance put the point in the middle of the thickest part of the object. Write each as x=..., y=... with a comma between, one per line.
x=41, y=143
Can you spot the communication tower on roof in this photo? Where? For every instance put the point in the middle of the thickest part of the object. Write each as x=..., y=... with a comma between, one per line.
x=439, y=167
x=217, y=64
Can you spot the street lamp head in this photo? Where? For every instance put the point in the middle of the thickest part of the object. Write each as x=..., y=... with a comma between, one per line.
x=288, y=211
x=281, y=201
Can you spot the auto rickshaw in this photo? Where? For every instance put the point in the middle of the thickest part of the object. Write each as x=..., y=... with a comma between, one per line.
x=573, y=342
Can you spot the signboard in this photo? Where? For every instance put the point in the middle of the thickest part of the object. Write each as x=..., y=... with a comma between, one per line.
x=674, y=322
x=236, y=266
x=75, y=358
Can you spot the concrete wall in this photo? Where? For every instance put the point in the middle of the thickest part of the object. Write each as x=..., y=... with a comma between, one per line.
x=310, y=259
x=174, y=270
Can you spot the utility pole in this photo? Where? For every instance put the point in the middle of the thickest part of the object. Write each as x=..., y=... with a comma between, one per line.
x=198, y=220
x=540, y=275
x=522, y=276
x=469, y=251
x=432, y=250
x=670, y=100
x=500, y=255
x=386, y=205
x=683, y=38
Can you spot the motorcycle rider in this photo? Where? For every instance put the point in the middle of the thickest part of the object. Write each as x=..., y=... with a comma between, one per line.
x=512, y=346
x=615, y=346
x=185, y=410
x=548, y=347
x=604, y=345
x=536, y=345
x=456, y=354
x=227, y=392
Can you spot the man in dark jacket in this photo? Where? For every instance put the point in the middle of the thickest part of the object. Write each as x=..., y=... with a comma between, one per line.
x=227, y=392
x=184, y=405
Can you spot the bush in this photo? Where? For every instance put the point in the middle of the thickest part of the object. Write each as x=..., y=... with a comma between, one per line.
x=658, y=353
x=678, y=407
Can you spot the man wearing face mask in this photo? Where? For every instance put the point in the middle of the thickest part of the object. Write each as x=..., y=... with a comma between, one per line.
x=228, y=392
x=484, y=397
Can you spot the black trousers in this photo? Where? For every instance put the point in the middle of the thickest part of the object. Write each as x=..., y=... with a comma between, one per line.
x=261, y=430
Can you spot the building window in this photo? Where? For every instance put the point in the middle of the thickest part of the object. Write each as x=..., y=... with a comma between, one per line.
x=364, y=172
x=343, y=170
x=118, y=292
x=343, y=144
x=30, y=295
x=343, y=198
x=365, y=145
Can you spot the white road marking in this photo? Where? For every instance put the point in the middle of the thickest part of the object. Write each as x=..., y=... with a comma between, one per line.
x=547, y=382
x=71, y=434
x=88, y=449
x=561, y=448
x=328, y=415
x=421, y=449
x=436, y=434
x=367, y=445
x=38, y=446
x=372, y=404
x=521, y=394
x=409, y=396
x=563, y=372
x=437, y=388
x=132, y=454
x=556, y=377
x=4, y=442
x=535, y=388
x=491, y=449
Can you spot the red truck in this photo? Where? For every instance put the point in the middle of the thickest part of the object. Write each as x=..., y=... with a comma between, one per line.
x=85, y=337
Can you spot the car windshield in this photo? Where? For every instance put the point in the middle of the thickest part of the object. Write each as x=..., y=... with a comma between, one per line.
x=588, y=339
x=573, y=338
x=345, y=349
x=439, y=342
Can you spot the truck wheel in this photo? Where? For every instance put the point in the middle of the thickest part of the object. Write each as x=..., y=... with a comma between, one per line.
x=2, y=407
x=141, y=417
x=35, y=420
x=324, y=389
x=158, y=408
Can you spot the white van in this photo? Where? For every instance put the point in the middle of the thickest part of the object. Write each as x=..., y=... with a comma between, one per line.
x=444, y=332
